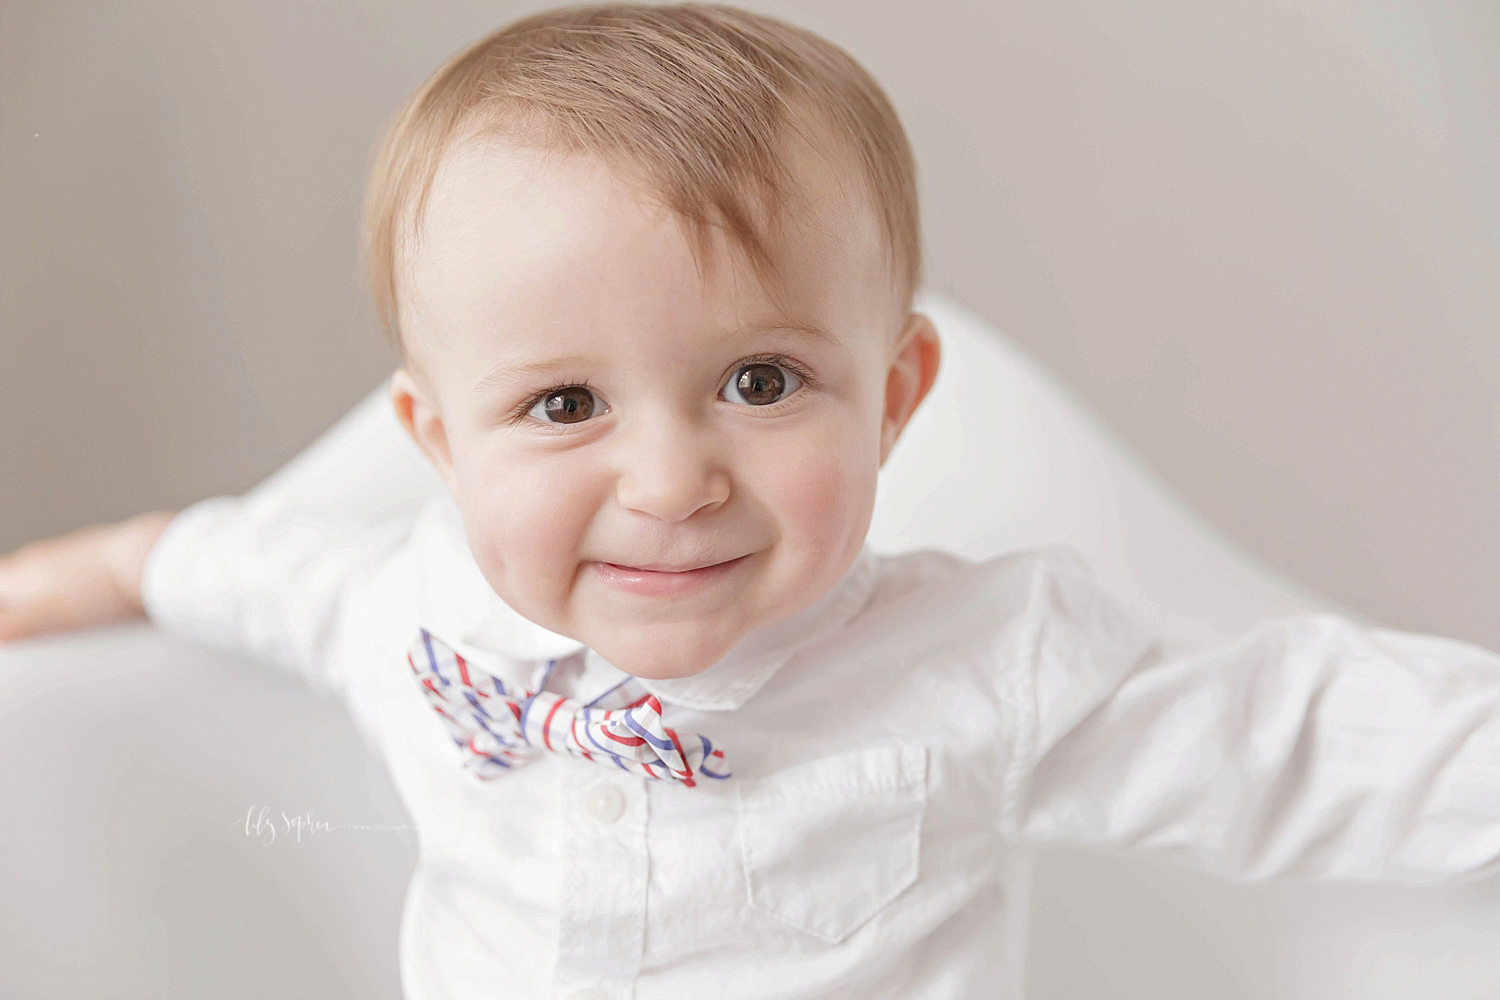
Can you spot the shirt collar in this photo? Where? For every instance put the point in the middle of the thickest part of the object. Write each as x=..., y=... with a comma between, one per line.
x=488, y=631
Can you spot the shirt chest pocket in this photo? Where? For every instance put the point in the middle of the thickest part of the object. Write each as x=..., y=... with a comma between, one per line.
x=828, y=844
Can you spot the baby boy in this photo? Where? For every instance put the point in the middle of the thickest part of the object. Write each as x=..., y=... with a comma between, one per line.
x=662, y=721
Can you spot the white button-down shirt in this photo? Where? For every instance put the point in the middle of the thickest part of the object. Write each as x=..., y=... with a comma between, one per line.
x=895, y=748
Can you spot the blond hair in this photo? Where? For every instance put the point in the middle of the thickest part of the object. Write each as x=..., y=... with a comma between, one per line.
x=695, y=97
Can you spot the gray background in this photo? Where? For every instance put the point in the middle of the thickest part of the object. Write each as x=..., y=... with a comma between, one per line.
x=1259, y=239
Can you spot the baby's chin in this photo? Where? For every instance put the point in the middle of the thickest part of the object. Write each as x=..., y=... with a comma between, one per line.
x=662, y=652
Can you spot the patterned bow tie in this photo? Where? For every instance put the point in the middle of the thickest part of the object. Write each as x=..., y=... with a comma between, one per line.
x=498, y=729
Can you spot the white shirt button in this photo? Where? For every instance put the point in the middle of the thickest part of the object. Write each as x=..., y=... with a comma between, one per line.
x=586, y=991
x=605, y=803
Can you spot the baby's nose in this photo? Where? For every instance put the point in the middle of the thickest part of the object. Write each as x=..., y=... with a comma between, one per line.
x=671, y=469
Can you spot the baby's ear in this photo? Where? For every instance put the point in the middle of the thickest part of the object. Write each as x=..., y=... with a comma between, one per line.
x=412, y=400
x=914, y=366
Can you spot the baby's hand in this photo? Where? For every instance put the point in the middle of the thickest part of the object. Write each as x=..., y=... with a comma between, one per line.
x=90, y=577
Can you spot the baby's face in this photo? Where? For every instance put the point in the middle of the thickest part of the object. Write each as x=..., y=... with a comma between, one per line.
x=650, y=459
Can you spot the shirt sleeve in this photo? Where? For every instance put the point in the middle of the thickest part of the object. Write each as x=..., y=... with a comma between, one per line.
x=1310, y=745
x=264, y=580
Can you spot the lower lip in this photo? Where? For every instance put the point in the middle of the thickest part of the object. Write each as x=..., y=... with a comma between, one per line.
x=652, y=583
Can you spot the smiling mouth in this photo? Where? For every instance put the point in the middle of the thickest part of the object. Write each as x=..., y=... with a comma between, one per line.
x=661, y=580
x=665, y=568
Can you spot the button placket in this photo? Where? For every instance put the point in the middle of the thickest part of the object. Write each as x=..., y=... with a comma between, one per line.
x=601, y=931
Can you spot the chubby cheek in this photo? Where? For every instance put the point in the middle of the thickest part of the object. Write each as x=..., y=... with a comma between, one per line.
x=820, y=488
x=525, y=519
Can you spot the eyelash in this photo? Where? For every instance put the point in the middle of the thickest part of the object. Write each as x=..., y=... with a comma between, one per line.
x=807, y=378
x=524, y=407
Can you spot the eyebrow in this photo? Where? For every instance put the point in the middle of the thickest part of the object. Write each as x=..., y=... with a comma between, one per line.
x=504, y=373
x=802, y=329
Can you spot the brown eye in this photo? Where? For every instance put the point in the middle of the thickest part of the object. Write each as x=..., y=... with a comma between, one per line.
x=569, y=405
x=760, y=384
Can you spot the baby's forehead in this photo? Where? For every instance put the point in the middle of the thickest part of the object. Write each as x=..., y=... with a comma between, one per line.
x=819, y=195
x=505, y=218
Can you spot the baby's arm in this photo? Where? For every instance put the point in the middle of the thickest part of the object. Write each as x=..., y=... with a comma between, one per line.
x=87, y=578
x=264, y=580
x=1310, y=745
x=362, y=476
x=248, y=575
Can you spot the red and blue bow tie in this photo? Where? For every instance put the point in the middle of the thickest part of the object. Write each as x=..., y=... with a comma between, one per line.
x=498, y=729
